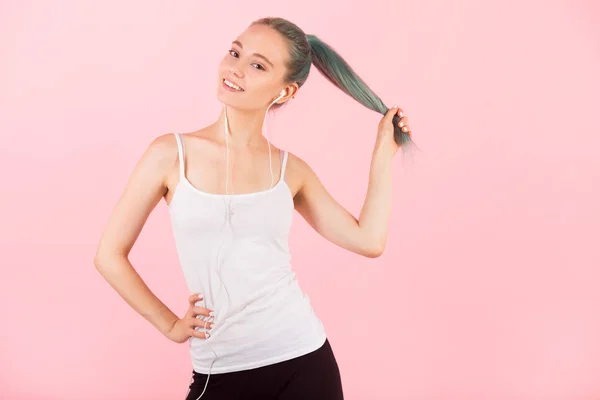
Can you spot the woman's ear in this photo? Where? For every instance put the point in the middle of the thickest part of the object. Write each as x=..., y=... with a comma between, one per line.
x=290, y=91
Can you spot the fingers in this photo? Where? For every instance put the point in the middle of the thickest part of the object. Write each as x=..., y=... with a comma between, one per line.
x=204, y=324
x=198, y=319
x=202, y=311
x=201, y=328
x=389, y=115
x=392, y=112
x=200, y=334
x=194, y=298
x=404, y=124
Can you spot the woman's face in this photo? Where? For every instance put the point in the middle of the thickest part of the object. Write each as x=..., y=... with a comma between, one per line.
x=256, y=64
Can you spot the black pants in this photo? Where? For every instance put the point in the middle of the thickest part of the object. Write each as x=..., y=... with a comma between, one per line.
x=313, y=376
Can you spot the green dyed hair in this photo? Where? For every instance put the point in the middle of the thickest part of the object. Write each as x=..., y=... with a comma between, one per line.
x=306, y=50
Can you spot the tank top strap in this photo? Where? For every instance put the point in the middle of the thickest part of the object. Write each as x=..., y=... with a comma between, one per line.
x=180, y=152
x=284, y=163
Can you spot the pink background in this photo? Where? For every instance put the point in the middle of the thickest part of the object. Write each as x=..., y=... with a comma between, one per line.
x=488, y=288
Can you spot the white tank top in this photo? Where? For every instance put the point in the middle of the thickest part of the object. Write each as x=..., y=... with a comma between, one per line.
x=237, y=256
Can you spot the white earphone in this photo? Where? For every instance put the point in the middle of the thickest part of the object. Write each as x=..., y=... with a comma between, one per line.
x=229, y=210
x=281, y=94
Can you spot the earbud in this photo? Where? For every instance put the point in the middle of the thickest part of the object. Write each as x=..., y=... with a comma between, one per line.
x=281, y=94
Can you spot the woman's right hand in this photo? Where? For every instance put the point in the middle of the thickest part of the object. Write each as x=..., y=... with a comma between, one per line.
x=185, y=327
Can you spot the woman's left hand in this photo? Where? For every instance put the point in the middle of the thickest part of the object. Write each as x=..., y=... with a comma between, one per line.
x=385, y=131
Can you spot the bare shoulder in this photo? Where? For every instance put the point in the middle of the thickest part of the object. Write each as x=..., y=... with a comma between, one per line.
x=296, y=164
x=299, y=166
x=298, y=173
x=161, y=152
x=163, y=156
x=163, y=148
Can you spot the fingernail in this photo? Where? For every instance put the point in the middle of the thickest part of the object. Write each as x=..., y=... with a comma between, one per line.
x=211, y=314
x=212, y=325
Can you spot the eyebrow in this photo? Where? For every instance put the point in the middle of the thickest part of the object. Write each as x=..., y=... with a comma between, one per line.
x=237, y=42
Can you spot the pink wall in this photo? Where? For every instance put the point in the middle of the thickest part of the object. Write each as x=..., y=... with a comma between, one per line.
x=488, y=288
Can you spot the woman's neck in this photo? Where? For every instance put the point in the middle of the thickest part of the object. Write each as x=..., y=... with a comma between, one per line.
x=245, y=127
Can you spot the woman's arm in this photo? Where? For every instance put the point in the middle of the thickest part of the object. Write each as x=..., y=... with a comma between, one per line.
x=365, y=236
x=146, y=186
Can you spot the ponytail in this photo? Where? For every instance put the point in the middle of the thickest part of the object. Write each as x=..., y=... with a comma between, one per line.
x=306, y=50
x=337, y=71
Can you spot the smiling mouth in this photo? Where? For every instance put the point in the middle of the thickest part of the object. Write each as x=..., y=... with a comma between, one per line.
x=232, y=85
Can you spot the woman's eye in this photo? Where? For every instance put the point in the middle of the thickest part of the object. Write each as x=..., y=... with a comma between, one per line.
x=256, y=65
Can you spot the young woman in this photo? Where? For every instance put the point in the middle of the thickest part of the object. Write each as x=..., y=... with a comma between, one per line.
x=231, y=196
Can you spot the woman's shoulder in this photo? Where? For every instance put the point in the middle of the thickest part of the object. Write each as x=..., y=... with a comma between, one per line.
x=163, y=145
x=296, y=162
x=298, y=167
x=163, y=148
x=299, y=173
x=166, y=143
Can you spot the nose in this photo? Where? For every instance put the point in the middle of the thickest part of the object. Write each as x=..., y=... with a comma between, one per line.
x=235, y=71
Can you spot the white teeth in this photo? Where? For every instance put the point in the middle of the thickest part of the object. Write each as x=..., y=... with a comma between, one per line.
x=232, y=85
